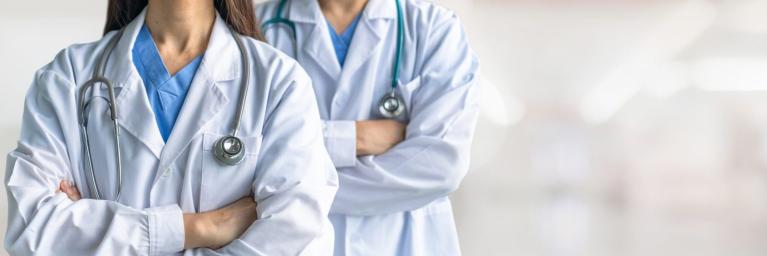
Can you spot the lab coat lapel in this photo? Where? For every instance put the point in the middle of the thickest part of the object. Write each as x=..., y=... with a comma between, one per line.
x=134, y=114
x=377, y=20
x=205, y=99
x=315, y=39
x=366, y=41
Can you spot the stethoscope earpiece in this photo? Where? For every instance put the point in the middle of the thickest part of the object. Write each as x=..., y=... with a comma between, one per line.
x=229, y=150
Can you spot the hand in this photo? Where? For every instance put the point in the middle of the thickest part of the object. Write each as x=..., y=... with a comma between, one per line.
x=218, y=228
x=69, y=188
x=375, y=137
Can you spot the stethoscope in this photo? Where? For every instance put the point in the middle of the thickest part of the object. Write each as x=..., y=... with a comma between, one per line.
x=228, y=150
x=391, y=104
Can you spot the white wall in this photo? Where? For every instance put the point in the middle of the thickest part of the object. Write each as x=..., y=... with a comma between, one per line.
x=31, y=33
x=608, y=127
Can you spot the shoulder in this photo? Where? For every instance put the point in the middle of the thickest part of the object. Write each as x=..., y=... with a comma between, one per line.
x=279, y=77
x=426, y=14
x=278, y=70
x=72, y=65
x=267, y=58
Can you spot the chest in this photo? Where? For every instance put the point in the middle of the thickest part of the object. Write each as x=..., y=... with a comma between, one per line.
x=184, y=170
x=353, y=92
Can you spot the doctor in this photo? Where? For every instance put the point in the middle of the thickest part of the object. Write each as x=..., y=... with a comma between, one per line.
x=187, y=175
x=396, y=83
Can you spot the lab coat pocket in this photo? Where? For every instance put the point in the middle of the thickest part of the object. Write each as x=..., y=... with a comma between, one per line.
x=222, y=184
x=407, y=90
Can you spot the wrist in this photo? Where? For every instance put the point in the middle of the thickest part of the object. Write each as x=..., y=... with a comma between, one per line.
x=196, y=227
x=361, y=146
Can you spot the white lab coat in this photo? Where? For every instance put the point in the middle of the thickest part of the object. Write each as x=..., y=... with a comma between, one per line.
x=286, y=168
x=395, y=203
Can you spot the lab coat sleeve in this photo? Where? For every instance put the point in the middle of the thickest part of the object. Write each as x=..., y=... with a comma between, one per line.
x=341, y=142
x=434, y=157
x=42, y=221
x=295, y=180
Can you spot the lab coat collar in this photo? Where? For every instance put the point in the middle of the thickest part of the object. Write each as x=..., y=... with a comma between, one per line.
x=308, y=11
x=222, y=55
x=304, y=11
x=134, y=112
x=368, y=36
x=220, y=63
x=205, y=99
x=367, y=39
x=381, y=9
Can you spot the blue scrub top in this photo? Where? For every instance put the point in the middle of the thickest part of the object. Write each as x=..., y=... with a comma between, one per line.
x=166, y=93
x=342, y=42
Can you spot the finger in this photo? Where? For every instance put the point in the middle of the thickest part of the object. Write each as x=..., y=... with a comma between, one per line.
x=70, y=190
x=63, y=186
x=74, y=192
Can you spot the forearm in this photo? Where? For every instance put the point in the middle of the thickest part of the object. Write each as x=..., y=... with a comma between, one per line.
x=290, y=223
x=346, y=140
x=90, y=227
x=195, y=228
x=405, y=178
x=426, y=166
x=198, y=227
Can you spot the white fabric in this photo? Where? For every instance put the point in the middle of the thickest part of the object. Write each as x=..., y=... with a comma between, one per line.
x=395, y=203
x=286, y=168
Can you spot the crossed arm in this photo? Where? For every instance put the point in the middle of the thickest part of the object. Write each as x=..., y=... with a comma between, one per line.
x=294, y=191
x=215, y=229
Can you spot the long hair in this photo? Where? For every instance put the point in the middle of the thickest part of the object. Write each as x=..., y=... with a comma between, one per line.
x=238, y=14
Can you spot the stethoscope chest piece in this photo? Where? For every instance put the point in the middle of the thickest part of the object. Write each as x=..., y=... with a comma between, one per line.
x=391, y=106
x=229, y=150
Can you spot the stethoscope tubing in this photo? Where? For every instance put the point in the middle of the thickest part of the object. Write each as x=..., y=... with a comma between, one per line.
x=392, y=94
x=99, y=77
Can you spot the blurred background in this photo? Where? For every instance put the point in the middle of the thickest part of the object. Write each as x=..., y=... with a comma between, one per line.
x=608, y=127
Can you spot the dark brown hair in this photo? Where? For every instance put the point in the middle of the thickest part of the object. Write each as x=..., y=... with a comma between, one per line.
x=238, y=14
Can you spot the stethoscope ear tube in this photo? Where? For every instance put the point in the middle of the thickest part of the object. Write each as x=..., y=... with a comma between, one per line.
x=230, y=150
x=391, y=105
x=83, y=105
x=84, y=132
x=277, y=20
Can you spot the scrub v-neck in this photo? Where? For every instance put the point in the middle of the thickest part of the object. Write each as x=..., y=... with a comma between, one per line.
x=166, y=93
x=341, y=42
